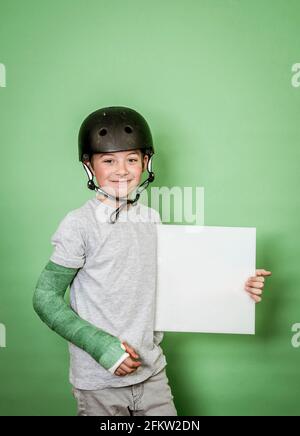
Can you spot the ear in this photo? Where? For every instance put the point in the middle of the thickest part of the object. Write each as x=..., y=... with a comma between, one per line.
x=145, y=162
x=88, y=164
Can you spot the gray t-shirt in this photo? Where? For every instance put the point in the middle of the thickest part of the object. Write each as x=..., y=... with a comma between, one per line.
x=115, y=286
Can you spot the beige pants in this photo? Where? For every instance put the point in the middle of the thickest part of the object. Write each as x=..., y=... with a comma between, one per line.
x=152, y=397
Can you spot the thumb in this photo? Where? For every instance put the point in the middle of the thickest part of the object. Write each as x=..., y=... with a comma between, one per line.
x=130, y=350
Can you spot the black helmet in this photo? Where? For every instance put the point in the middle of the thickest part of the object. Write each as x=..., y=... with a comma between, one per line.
x=113, y=129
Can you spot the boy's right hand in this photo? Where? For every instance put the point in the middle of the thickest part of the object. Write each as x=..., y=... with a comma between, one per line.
x=129, y=365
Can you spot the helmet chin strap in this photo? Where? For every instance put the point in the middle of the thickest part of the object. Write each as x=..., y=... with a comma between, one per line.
x=123, y=200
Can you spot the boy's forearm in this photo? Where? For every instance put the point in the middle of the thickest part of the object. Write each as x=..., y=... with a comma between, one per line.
x=49, y=303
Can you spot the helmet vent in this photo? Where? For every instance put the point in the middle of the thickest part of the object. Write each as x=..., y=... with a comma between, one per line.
x=102, y=132
x=128, y=129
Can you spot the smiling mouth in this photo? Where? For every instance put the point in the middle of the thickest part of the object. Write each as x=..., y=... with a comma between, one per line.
x=121, y=181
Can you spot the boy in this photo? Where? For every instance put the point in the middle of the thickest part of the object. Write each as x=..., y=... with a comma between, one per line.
x=108, y=256
x=106, y=251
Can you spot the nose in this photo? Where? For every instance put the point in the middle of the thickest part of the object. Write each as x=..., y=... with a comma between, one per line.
x=122, y=169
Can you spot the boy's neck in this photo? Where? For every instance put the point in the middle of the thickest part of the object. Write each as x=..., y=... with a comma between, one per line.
x=107, y=200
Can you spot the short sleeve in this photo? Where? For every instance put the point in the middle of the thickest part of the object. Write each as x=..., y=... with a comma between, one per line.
x=69, y=244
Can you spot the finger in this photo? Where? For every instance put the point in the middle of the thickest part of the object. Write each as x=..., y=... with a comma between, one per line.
x=127, y=369
x=128, y=363
x=132, y=352
x=256, y=278
x=256, y=298
x=254, y=291
x=263, y=272
x=131, y=363
x=254, y=284
x=120, y=372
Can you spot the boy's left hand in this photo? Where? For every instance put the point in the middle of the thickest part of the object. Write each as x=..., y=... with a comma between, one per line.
x=254, y=285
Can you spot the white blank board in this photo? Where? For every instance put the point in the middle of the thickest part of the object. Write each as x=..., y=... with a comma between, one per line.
x=202, y=272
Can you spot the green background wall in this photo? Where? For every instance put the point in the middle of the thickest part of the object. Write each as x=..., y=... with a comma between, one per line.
x=213, y=79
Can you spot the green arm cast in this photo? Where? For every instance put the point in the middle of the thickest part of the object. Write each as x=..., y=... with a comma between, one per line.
x=50, y=305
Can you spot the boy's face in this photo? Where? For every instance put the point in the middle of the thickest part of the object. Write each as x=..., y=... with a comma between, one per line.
x=118, y=173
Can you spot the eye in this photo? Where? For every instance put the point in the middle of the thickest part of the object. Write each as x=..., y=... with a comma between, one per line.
x=108, y=160
x=133, y=160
